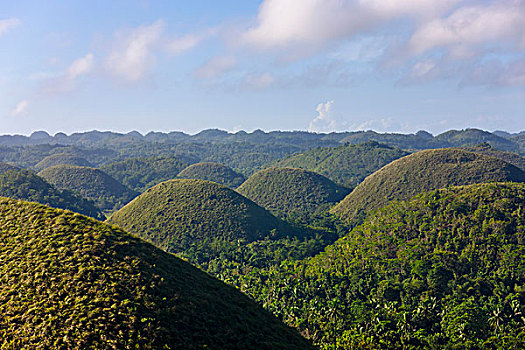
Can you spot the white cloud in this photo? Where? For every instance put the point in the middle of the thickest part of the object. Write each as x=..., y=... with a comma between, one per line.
x=468, y=30
x=215, y=67
x=325, y=121
x=259, y=81
x=80, y=66
x=132, y=56
x=20, y=108
x=187, y=42
x=6, y=24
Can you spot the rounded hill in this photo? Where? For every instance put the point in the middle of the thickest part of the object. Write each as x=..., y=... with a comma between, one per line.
x=291, y=190
x=213, y=172
x=26, y=185
x=423, y=171
x=62, y=159
x=444, y=270
x=70, y=282
x=346, y=165
x=184, y=214
x=142, y=173
x=509, y=157
x=107, y=193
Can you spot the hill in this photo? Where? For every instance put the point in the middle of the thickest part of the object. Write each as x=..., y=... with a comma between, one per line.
x=213, y=172
x=288, y=191
x=444, y=270
x=346, y=165
x=195, y=215
x=26, y=185
x=423, y=171
x=472, y=137
x=62, y=159
x=144, y=172
x=509, y=157
x=69, y=282
x=107, y=193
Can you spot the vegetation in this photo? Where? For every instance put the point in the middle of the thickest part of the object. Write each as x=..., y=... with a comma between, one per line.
x=346, y=165
x=509, y=157
x=196, y=217
x=472, y=137
x=26, y=185
x=107, y=193
x=145, y=172
x=62, y=159
x=291, y=192
x=69, y=282
x=213, y=172
x=423, y=171
x=445, y=270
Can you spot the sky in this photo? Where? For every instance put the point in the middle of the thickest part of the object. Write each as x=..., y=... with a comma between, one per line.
x=316, y=65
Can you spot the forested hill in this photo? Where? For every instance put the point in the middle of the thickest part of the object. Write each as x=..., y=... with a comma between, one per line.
x=70, y=282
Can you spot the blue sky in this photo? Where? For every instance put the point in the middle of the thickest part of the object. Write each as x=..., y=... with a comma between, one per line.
x=318, y=65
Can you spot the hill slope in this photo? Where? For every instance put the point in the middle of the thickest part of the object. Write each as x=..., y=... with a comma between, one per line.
x=61, y=159
x=142, y=173
x=107, y=193
x=287, y=190
x=423, y=171
x=444, y=270
x=184, y=214
x=346, y=165
x=509, y=157
x=25, y=185
x=69, y=282
x=213, y=172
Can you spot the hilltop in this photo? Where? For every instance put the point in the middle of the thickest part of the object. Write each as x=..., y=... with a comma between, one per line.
x=195, y=215
x=443, y=270
x=145, y=172
x=26, y=185
x=290, y=190
x=61, y=159
x=423, y=171
x=107, y=193
x=69, y=282
x=213, y=172
x=346, y=165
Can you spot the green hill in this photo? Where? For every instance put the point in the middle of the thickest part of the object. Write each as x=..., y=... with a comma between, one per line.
x=509, y=157
x=423, y=171
x=61, y=159
x=472, y=137
x=69, y=282
x=26, y=185
x=288, y=191
x=195, y=215
x=107, y=193
x=142, y=173
x=444, y=270
x=346, y=165
x=213, y=172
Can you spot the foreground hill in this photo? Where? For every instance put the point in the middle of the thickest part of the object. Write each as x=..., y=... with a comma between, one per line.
x=444, y=270
x=346, y=165
x=69, y=282
x=423, y=171
x=61, y=159
x=26, y=185
x=289, y=191
x=185, y=214
x=145, y=172
x=107, y=193
x=213, y=172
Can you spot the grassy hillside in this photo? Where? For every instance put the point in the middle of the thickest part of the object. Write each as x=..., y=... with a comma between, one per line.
x=69, y=282
x=26, y=185
x=472, y=137
x=509, y=157
x=444, y=270
x=145, y=172
x=107, y=193
x=423, y=171
x=288, y=191
x=213, y=172
x=61, y=159
x=346, y=165
x=184, y=216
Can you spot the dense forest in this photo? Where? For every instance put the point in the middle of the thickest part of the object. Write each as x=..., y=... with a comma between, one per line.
x=354, y=240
